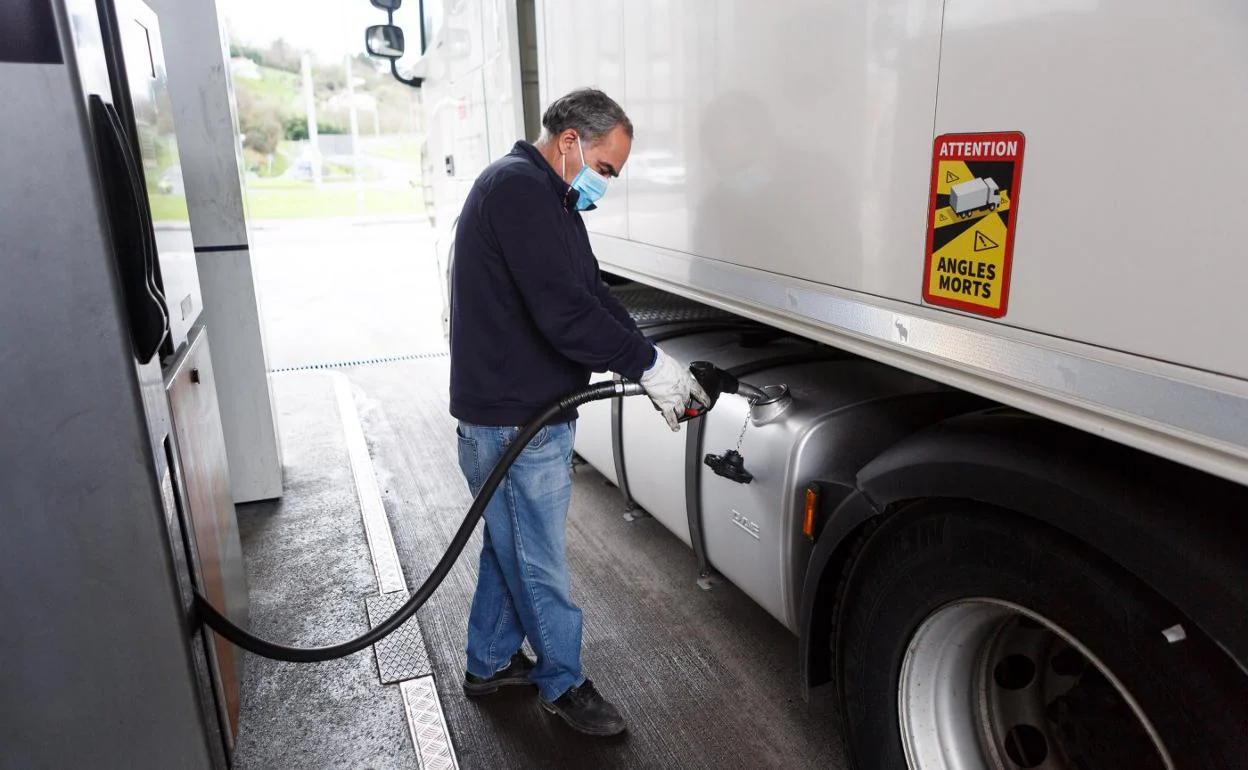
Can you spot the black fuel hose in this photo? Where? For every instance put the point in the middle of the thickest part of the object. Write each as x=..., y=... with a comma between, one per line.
x=242, y=638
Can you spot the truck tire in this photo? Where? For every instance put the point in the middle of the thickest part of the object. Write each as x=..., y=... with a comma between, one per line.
x=973, y=633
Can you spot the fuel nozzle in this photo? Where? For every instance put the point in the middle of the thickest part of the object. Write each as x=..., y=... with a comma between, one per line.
x=767, y=404
x=715, y=382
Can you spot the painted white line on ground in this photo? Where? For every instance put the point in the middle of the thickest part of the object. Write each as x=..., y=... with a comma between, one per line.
x=376, y=525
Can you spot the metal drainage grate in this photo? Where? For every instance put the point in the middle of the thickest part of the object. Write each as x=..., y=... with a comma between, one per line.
x=401, y=655
x=364, y=362
x=427, y=724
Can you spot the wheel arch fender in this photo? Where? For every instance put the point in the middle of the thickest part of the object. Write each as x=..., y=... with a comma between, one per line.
x=1181, y=531
x=843, y=533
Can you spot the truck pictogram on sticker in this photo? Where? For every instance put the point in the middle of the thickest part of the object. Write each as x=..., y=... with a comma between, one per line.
x=968, y=197
x=970, y=228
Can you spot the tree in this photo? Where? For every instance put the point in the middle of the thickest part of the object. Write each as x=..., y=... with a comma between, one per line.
x=247, y=52
x=283, y=56
x=295, y=128
x=259, y=122
x=329, y=77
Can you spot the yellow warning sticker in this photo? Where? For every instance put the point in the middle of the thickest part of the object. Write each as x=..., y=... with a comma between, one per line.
x=951, y=172
x=971, y=267
x=974, y=203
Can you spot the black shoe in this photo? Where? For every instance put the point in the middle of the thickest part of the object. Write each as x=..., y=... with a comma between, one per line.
x=587, y=711
x=517, y=672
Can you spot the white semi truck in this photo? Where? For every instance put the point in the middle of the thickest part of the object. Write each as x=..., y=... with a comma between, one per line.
x=1000, y=492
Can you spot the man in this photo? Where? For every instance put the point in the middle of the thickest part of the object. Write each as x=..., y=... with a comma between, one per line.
x=531, y=319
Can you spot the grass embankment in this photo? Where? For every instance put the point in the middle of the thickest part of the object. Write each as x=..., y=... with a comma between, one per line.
x=288, y=199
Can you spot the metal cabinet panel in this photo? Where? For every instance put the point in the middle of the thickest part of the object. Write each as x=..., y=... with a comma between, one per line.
x=205, y=484
x=95, y=664
x=150, y=104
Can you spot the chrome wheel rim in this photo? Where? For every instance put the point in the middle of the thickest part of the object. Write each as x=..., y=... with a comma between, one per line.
x=989, y=685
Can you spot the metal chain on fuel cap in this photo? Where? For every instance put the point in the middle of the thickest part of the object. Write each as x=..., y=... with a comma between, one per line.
x=744, y=427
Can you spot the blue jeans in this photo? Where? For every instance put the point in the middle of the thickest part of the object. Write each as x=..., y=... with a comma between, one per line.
x=522, y=580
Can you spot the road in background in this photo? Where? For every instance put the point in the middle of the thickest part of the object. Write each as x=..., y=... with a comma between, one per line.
x=333, y=292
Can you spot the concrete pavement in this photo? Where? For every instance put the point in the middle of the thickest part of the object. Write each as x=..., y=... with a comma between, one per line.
x=331, y=292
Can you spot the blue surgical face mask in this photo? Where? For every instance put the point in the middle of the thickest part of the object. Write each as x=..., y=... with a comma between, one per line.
x=588, y=183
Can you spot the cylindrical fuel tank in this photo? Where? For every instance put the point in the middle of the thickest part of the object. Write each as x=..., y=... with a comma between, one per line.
x=594, y=430
x=843, y=413
x=596, y=424
x=661, y=316
x=655, y=457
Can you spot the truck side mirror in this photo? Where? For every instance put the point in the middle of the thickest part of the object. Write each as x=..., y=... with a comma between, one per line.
x=384, y=40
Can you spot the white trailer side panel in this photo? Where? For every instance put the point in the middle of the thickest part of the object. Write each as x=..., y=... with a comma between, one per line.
x=585, y=48
x=795, y=136
x=504, y=103
x=1120, y=100
x=464, y=47
x=838, y=101
x=456, y=107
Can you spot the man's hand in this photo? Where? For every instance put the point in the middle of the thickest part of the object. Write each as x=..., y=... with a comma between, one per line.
x=670, y=386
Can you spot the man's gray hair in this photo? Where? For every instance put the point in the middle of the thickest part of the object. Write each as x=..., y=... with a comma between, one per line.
x=589, y=112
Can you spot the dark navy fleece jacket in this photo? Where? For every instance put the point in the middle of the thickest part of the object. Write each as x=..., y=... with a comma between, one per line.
x=531, y=317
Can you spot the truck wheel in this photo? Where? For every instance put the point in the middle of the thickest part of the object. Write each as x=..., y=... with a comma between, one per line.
x=972, y=638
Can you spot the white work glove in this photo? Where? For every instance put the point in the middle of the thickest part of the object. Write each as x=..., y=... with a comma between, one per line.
x=670, y=385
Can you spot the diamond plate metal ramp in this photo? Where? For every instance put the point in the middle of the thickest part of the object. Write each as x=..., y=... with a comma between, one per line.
x=401, y=655
x=650, y=307
x=428, y=725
